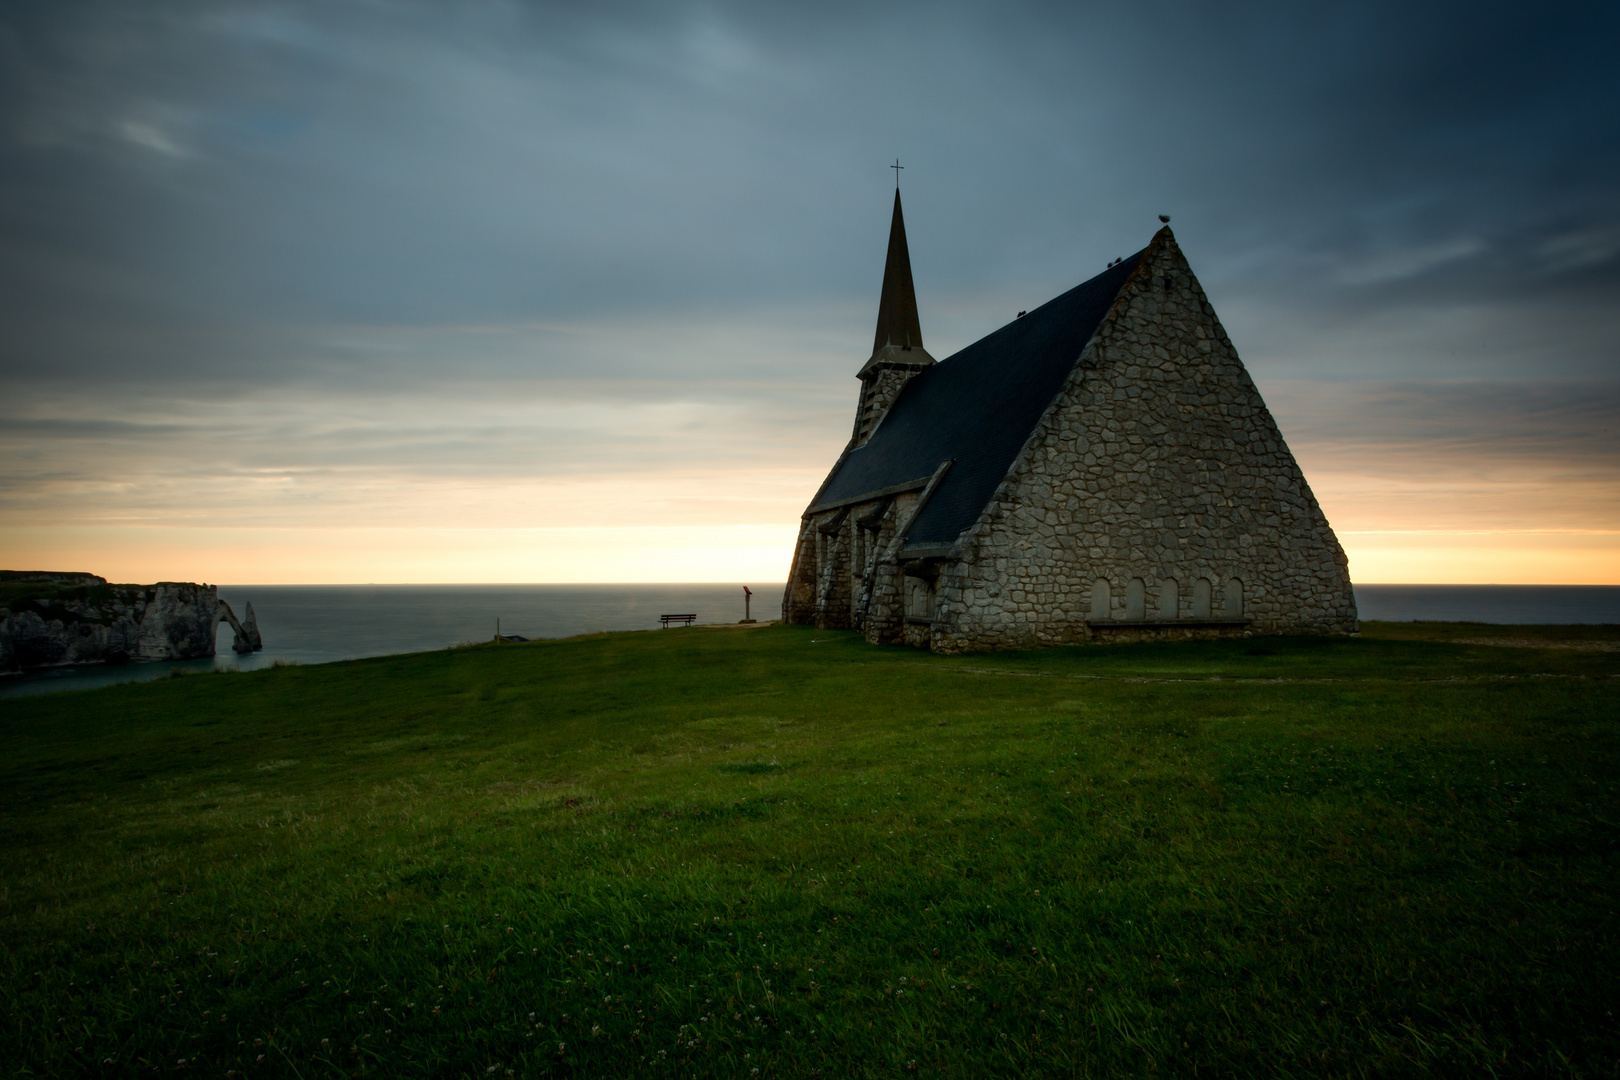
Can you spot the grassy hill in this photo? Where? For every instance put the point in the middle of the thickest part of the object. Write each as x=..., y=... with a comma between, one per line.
x=780, y=852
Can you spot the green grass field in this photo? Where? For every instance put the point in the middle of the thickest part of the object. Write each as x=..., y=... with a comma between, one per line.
x=780, y=852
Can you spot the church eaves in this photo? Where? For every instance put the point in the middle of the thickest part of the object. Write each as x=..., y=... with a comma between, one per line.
x=974, y=409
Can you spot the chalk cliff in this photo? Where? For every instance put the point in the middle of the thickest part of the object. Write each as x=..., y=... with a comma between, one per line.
x=49, y=619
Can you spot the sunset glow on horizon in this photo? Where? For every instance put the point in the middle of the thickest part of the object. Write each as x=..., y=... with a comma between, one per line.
x=334, y=294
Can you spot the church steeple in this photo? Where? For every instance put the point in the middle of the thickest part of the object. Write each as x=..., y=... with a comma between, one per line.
x=897, y=322
x=897, y=348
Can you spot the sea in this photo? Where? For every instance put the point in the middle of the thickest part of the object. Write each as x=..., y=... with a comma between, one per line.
x=315, y=624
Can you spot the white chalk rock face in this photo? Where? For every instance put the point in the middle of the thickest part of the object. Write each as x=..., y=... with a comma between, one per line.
x=58, y=624
x=248, y=639
x=176, y=622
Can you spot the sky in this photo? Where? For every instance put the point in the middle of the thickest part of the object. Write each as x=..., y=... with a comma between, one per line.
x=368, y=291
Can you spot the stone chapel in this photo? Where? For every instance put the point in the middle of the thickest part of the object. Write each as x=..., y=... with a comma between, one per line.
x=1101, y=468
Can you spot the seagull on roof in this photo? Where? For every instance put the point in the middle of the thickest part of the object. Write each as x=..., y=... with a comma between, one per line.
x=1165, y=218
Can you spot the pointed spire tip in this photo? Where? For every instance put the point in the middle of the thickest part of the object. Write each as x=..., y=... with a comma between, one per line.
x=898, y=323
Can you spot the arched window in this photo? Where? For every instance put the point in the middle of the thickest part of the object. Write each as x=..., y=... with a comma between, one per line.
x=1234, y=599
x=1135, y=600
x=1170, y=599
x=919, y=599
x=1101, y=601
x=1201, y=598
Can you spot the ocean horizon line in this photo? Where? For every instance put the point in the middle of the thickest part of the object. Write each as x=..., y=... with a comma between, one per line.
x=319, y=623
x=740, y=582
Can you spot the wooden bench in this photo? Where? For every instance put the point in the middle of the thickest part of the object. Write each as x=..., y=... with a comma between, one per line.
x=669, y=620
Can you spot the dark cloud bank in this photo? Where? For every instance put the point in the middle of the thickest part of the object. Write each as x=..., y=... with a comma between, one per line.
x=1412, y=211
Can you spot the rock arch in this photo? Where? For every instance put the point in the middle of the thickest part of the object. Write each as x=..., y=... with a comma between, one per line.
x=247, y=638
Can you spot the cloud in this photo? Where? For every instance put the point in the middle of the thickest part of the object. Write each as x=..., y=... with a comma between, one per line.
x=1407, y=263
x=1476, y=456
x=150, y=136
x=300, y=261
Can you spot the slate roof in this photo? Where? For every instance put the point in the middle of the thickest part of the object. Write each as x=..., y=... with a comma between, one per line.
x=977, y=408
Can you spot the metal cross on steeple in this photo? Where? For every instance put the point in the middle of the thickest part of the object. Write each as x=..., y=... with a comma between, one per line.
x=897, y=167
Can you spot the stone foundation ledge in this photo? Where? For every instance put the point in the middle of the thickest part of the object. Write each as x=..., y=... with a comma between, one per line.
x=1123, y=633
x=1167, y=624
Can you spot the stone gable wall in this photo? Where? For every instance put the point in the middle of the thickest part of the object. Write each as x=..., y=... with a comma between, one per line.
x=1158, y=460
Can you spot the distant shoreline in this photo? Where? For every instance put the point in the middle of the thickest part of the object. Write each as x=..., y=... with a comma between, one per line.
x=317, y=624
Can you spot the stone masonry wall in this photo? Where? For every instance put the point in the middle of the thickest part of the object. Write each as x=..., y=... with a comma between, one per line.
x=849, y=579
x=822, y=584
x=882, y=601
x=799, y=598
x=1158, y=460
x=825, y=588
